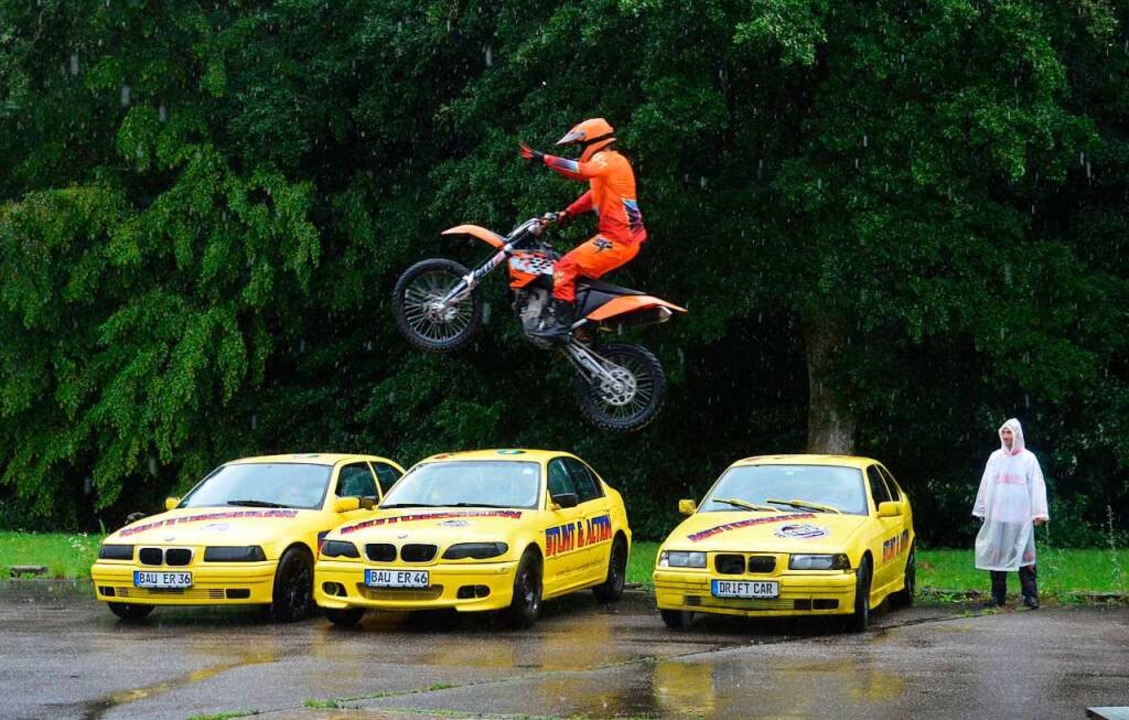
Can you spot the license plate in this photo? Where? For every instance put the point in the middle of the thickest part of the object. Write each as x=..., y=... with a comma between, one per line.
x=161, y=580
x=397, y=578
x=745, y=588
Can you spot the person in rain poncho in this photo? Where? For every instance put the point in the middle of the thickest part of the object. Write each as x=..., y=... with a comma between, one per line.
x=1011, y=501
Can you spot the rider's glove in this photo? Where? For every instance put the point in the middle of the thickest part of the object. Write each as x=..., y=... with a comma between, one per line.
x=529, y=153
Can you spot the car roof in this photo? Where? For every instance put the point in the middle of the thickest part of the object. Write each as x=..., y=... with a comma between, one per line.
x=306, y=458
x=503, y=454
x=855, y=461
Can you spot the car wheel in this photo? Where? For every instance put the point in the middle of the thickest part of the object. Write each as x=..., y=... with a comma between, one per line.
x=904, y=597
x=347, y=617
x=860, y=620
x=677, y=619
x=293, y=594
x=525, y=607
x=612, y=587
x=130, y=611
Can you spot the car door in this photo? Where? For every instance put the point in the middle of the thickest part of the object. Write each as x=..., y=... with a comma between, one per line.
x=903, y=526
x=885, y=543
x=596, y=516
x=562, y=525
x=386, y=476
x=356, y=479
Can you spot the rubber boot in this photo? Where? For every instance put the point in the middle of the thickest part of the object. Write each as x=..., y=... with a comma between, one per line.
x=1028, y=586
x=558, y=327
x=999, y=589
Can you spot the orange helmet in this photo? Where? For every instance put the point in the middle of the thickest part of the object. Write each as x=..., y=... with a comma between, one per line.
x=592, y=134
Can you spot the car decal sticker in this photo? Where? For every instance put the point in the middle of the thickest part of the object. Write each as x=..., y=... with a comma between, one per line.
x=895, y=546
x=208, y=517
x=510, y=514
x=802, y=530
x=698, y=536
x=580, y=534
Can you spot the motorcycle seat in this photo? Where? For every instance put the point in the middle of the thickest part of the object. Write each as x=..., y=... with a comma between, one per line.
x=603, y=287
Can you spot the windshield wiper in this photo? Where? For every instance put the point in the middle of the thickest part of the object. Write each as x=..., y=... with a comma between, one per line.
x=406, y=505
x=807, y=505
x=482, y=505
x=256, y=503
x=746, y=505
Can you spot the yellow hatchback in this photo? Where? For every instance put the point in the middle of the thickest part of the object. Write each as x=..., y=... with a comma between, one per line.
x=246, y=534
x=791, y=535
x=478, y=531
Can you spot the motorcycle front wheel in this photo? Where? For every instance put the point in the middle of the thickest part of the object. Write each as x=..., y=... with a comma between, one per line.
x=633, y=399
x=421, y=316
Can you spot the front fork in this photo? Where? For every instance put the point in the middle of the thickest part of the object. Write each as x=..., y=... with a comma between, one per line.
x=465, y=286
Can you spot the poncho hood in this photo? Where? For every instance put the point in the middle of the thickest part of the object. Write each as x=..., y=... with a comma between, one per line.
x=1017, y=444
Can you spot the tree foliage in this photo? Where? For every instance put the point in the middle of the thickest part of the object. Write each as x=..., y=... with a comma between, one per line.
x=895, y=224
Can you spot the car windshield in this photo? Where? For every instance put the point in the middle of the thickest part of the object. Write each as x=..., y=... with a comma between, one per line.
x=505, y=484
x=814, y=488
x=282, y=485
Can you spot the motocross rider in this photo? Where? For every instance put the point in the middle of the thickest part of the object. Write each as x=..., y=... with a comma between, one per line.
x=611, y=195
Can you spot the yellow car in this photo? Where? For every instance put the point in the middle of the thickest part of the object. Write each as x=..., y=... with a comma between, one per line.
x=247, y=533
x=790, y=535
x=477, y=531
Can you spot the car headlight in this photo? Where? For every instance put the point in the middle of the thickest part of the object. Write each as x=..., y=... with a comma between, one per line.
x=115, y=552
x=682, y=558
x=838, y=561
x=476, y=550
x=339, y=548
x=250, y=553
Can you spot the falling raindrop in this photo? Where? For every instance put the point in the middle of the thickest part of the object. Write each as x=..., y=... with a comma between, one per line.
x=74, y=63
x=489, y=56
x=153, y=465
x=125, y=95
x=302, y=345
x=254, y=420
x=1007, y=274
x=163, y=113
x=485, y=313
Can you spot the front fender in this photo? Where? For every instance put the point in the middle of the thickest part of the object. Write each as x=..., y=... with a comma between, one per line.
x=488, y=236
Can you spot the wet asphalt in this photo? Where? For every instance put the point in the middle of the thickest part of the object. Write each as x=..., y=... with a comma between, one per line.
x=68, y=657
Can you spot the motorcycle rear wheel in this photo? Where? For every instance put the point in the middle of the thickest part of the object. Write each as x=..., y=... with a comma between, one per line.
x=424, y=324
x=631, y=410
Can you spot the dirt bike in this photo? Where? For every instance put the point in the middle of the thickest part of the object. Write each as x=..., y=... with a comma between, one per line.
x=438, y=308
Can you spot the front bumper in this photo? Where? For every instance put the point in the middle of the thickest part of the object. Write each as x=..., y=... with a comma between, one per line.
x=341, y=584
x=249, y=583
x=808, y=593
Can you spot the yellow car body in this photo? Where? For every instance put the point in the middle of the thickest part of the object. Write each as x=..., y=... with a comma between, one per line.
x=247, y=533
x=789, y=535
x=479, y=531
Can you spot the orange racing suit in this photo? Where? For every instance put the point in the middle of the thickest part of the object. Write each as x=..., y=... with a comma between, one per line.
x=620, y=230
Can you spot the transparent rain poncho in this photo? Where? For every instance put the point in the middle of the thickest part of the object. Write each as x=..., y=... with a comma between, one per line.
x=1012, y=495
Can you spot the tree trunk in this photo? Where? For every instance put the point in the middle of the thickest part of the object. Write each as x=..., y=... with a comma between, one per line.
x=831, y=426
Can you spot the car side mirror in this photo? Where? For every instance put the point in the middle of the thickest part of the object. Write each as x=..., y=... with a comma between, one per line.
x=346, y=504
x=889, y=509
x=367, y=503
x=171, y=502
x=566, y=500
x=687, y=506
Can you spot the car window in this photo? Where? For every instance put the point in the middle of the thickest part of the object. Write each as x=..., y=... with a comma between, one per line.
x=895, y=489
x=560, y=481
x=473, y=483
x=840, y=487
x=262, y=484
x=878, y=489
x=356, y=480
x=387, y=475
x=586, y=486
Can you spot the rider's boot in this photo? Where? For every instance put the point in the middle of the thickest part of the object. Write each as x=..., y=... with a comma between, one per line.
x=558, y=327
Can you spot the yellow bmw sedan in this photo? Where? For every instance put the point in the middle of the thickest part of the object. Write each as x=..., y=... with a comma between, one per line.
x=791, y=535
x=478, y=531
x=246, y=534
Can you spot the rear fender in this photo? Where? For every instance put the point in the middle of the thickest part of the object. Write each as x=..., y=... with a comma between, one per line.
x=635, y=309
x=487, y=236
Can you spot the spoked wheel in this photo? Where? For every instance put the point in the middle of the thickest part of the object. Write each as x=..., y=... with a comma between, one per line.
x=293, y=596
x=860, y=619
x=904, y=597
x=612, y=588
x=419, y=311
x=632, y=397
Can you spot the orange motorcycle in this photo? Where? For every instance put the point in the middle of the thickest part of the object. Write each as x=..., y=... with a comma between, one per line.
x=438, y=308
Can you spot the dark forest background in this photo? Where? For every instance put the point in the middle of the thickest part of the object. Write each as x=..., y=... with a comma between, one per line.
x=895, y=225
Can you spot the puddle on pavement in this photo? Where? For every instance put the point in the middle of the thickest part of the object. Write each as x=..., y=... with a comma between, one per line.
x=98, y=708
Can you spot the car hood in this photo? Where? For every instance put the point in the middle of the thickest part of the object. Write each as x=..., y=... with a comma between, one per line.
x=808, y=532
x=213, y=526
x=438, y=525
